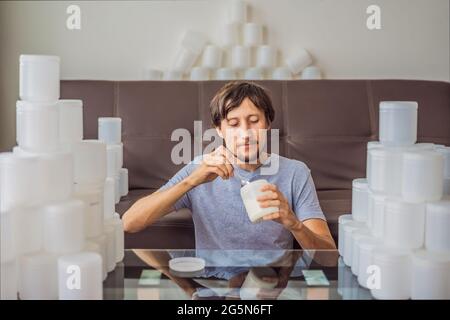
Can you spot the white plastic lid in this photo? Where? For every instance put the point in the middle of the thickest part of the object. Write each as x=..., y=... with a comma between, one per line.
x=109, y=119
x=373, y=144
x=423, y=155
x=345, y=218
x=439, y=207
x=398, y=105
x=368, y=243
x=37, y=57
x=187, y=264
x=71, y=103
x=386, y=254
x=430, y=258
x=360, y=183
x=34, y=106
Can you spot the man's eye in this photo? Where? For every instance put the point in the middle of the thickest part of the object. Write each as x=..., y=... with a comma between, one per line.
x=234, y=124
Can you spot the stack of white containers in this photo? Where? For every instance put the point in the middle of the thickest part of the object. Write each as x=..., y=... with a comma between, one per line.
x=397, y=239
x=241, y=54
x=55, y=241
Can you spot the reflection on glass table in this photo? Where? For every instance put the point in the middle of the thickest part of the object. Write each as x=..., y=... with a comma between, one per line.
x=234, y=274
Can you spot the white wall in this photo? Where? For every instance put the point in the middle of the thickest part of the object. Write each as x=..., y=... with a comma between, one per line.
x=119, y=38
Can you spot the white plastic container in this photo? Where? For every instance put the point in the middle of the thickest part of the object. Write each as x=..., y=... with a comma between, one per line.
x=92, y=196
x=172, y=75
x=357, y=236
x=29, y=231
x=7, y=237
x=253, y=34
x=254, y=73
x=38, y=277
x=370, y=145
x=385, y=170
x=298, y=60
x=365, y=249
x=184, y=61
x=445, y=151
x=109, y=199
x=343, y=219
x=282, y=73
x=430, y=275
x=117, y=149
x=437, y=232
x=39, y=78
x=193, y=41
x=92, y=246
x=394, y=273
x=422, y=177
x=225, y=74
x=37, y=126
x=398, y=123
x=200, y=74
x=404, y=224
x=266, y=57
x=70, y=121
x=19, y=182
x=238, y=11
x=9, y=280
x=117, y=224
x=123, y=182
x=240, y=57
x=230, y=35
x=257, y=279
x=249, y=194
x=117, y=188
x=110, y=130
x=152, y=74
x=311, y=73
x=89, y=162
x=446, y=188
x=360, y=199
x=110, y=233
x=64, y=227
x=101, y=243
x=212, y=57
x=375, y=221
x=55, y=174
x=348, y=229
x=80, y=276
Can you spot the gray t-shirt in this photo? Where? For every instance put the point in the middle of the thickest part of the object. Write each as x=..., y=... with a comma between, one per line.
x=219, y=215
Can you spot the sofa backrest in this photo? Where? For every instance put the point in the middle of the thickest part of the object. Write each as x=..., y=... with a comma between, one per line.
x=324, y=123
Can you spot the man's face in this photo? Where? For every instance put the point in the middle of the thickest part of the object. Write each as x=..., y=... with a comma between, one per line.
x=243, y=131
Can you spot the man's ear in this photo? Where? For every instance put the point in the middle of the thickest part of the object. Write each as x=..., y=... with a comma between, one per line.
x=219, y=132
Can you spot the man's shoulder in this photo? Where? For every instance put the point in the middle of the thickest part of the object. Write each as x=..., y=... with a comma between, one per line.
x=293, y=165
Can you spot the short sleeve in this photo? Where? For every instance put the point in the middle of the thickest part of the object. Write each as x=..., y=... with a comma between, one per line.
x=306, y=202
x=184, y=201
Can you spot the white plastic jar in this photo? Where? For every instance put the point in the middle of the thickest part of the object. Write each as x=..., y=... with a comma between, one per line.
x=404, y=224
x=423, y=176
x=360, y=195
x=394, y=273
x=398, y=123
x=37, y=126
x=430, y=275
x=437, y=226
x=249, y=194
x=39, y=78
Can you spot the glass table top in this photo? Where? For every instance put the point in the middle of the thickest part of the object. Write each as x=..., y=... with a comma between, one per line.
x=145, y=274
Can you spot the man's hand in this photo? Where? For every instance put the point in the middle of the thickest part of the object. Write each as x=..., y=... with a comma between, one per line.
x=213, y=165
x=274, y=198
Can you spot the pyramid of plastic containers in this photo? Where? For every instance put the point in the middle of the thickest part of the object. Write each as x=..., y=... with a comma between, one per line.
x=241, y=53
x=60, y=235
x=397, y=239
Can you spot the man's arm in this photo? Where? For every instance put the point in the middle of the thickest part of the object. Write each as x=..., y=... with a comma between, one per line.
x=147, y=210
x=150, y=208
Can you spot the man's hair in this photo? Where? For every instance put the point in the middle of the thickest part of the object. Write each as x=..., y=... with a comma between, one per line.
x=231, y=95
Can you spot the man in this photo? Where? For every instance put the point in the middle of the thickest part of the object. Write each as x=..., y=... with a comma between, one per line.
x=210, y=187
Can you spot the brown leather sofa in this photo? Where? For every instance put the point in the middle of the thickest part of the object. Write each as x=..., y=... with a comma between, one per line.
x=324, y=123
